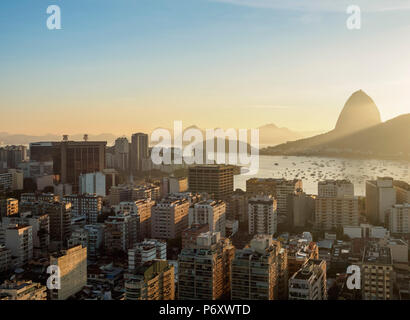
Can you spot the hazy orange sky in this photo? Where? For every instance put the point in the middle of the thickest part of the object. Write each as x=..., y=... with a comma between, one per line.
x=137, y=65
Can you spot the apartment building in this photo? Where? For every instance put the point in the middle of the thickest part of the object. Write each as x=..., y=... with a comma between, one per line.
x=380, y=197
x=154, y=280
x=377, y=272
x=72, y=264
x=262, y=215
x=147, y=250
x=399, y=219
x=19, y=239
x=332, y=213
x=211, y=212
x=280, y=189
x=309, y=283
x=215, y=180
x=9, y=207
x=169, y=218
x=204, y=270
x=88, y=205
x=257, y=271
x=22, y=290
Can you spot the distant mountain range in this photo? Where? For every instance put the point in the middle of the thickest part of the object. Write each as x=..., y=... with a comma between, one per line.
x=269, y=135
x=359, y=132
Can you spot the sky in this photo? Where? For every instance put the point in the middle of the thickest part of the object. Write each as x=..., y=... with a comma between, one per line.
x=123, y=66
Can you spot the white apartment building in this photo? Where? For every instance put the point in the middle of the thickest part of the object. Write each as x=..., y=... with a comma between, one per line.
x=19, y=239
x=88, y=205
x=92, y=183
x=148, y=250
x=309, y=283
x=399, y=219
x=262, y=215
x=212, y=213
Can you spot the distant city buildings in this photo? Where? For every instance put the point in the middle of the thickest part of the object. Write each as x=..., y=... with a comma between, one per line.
x=71, y=158
x=138, y=152
x=11, y=156
x=280, y=189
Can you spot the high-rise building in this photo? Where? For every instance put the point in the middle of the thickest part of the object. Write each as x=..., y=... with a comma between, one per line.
x=204, y=270
x=40, y=229
x=72, y=264
x=22, y=290
x=19, y=239
x=280, y=189
x=169, y=218
x=377, y=273
x=237, y=206
x=211, y=212
x=309, y=283
x=122, y=154
x=336, y=206
x=88, y=205
x=256, y=270
x=301, y=209
x=332, y=213
x=148, y=250
x=71, y=158
x=90, y=236
x=93, y=183
x=60, y=221
x=11, y=179
x=9, y=207
x=11, y=156
x=5, y=258
x=399, y=219
x=141, y=210
x=262, y=215
x=154, y=280
x=402, y=191
x=215, y=180
x=335, y=189
x=138, y=151
x=120, y=232
x=380, y=197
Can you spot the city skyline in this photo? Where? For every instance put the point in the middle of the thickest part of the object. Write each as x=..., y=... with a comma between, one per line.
x=251, y=62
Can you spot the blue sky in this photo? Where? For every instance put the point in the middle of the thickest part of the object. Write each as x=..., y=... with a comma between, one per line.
x=122, y=66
